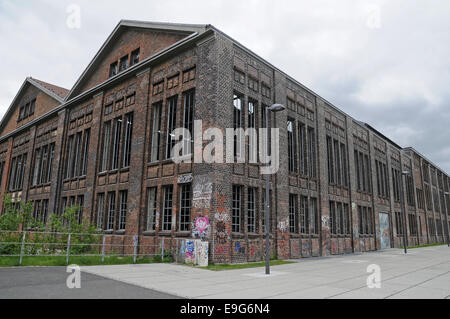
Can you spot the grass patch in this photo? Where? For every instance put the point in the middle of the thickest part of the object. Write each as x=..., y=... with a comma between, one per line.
x=81, y=261
x=427, y=245
x=243, y=266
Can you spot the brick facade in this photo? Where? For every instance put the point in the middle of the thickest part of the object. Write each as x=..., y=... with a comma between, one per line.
x=331, y=202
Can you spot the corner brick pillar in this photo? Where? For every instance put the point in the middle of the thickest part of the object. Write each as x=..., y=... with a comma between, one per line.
x=93, y=155
x=280, y=184
x=56, y=185
x=136, y=172
x=29, y=170
x=325, y=238
x=352, y=186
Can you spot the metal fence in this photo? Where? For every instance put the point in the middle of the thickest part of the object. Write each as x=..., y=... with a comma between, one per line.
x=22, y=244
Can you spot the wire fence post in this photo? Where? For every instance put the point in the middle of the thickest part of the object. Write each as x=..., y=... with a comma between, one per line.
x=176, y=253
x=135, y=243
x=103, y=249
x=22, y=247
x=68, y=249
x=162, y=250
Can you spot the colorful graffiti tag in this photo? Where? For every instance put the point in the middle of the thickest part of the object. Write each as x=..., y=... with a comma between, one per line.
x=385, y=237
x=201, y=227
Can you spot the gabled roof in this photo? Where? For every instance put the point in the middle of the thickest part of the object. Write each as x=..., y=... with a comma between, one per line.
x=180, y=28
x=55, y=92
x=59, y=91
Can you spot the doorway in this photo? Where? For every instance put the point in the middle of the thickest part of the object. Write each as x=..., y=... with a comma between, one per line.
x=385, y=234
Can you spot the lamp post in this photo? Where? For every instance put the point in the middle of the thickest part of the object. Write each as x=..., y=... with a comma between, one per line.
x=402, y=200
x=274, y=108
x=446, y=218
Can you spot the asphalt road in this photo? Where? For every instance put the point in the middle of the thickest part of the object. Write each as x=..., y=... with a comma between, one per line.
x=50, y=283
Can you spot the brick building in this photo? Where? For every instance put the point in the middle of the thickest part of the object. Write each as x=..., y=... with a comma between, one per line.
x=105, y=146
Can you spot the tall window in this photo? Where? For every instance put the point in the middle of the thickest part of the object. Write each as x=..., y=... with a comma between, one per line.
x=116, y=143
x=252, y=140
x=399, y=223
x=333, y=221
x=188, y=119
x=123, y=209
x=76, y=155
x=2, y=170
x=236, y=212
x=127, y=140
x=337, y=159
x=38, y=213
x=412, y=224
x=134, y=57
x=111, y=210
x=113, y=69
x=76, y=158
x=346, y=220
x=339, y=219
x=151, y=209
x=185, y=207
x=330, y=160
x=304, y=215
x=167, y=208
x=303, y=149
x=51, y=154
x=100, y=210
x=80, y=209
x=123, y=63
x=171, y=122
x=292, y=150
x=156, y=132
x=106, y=145
x=251, y=210
x=366, y=220
x=237, y=123
x=314, y=216
x=37, y=163
x=43, y=166
x=312, y=152
x=85, y=154
x=17, y=172
x=293, y=211
x=344, y=165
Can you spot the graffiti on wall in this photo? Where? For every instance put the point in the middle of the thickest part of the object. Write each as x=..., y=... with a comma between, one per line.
x=201, y=227
x=283, y=226
x=189, y=252
x=385, y=236
x=325, y=220
x=202, y=191
x=222, y=218
x=238, y=248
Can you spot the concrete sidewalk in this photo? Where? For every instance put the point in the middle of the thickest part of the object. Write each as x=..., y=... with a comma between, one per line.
x=422, y=273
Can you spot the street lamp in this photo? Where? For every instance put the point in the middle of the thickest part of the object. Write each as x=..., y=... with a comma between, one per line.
x=274, y=108
x=404, y=173
x=446, y=218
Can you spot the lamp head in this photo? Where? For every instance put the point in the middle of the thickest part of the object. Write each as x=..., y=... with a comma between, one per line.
x=277, y=108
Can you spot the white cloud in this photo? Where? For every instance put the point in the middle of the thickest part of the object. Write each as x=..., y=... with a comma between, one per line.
x=384, y=62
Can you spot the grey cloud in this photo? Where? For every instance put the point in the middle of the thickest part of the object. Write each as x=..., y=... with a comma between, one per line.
x=395, y=77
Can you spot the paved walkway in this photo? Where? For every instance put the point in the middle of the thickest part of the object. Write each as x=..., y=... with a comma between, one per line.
x=422, y=273
x=50, y=283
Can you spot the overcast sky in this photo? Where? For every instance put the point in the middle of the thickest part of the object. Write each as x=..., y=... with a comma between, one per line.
x=383, y=62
